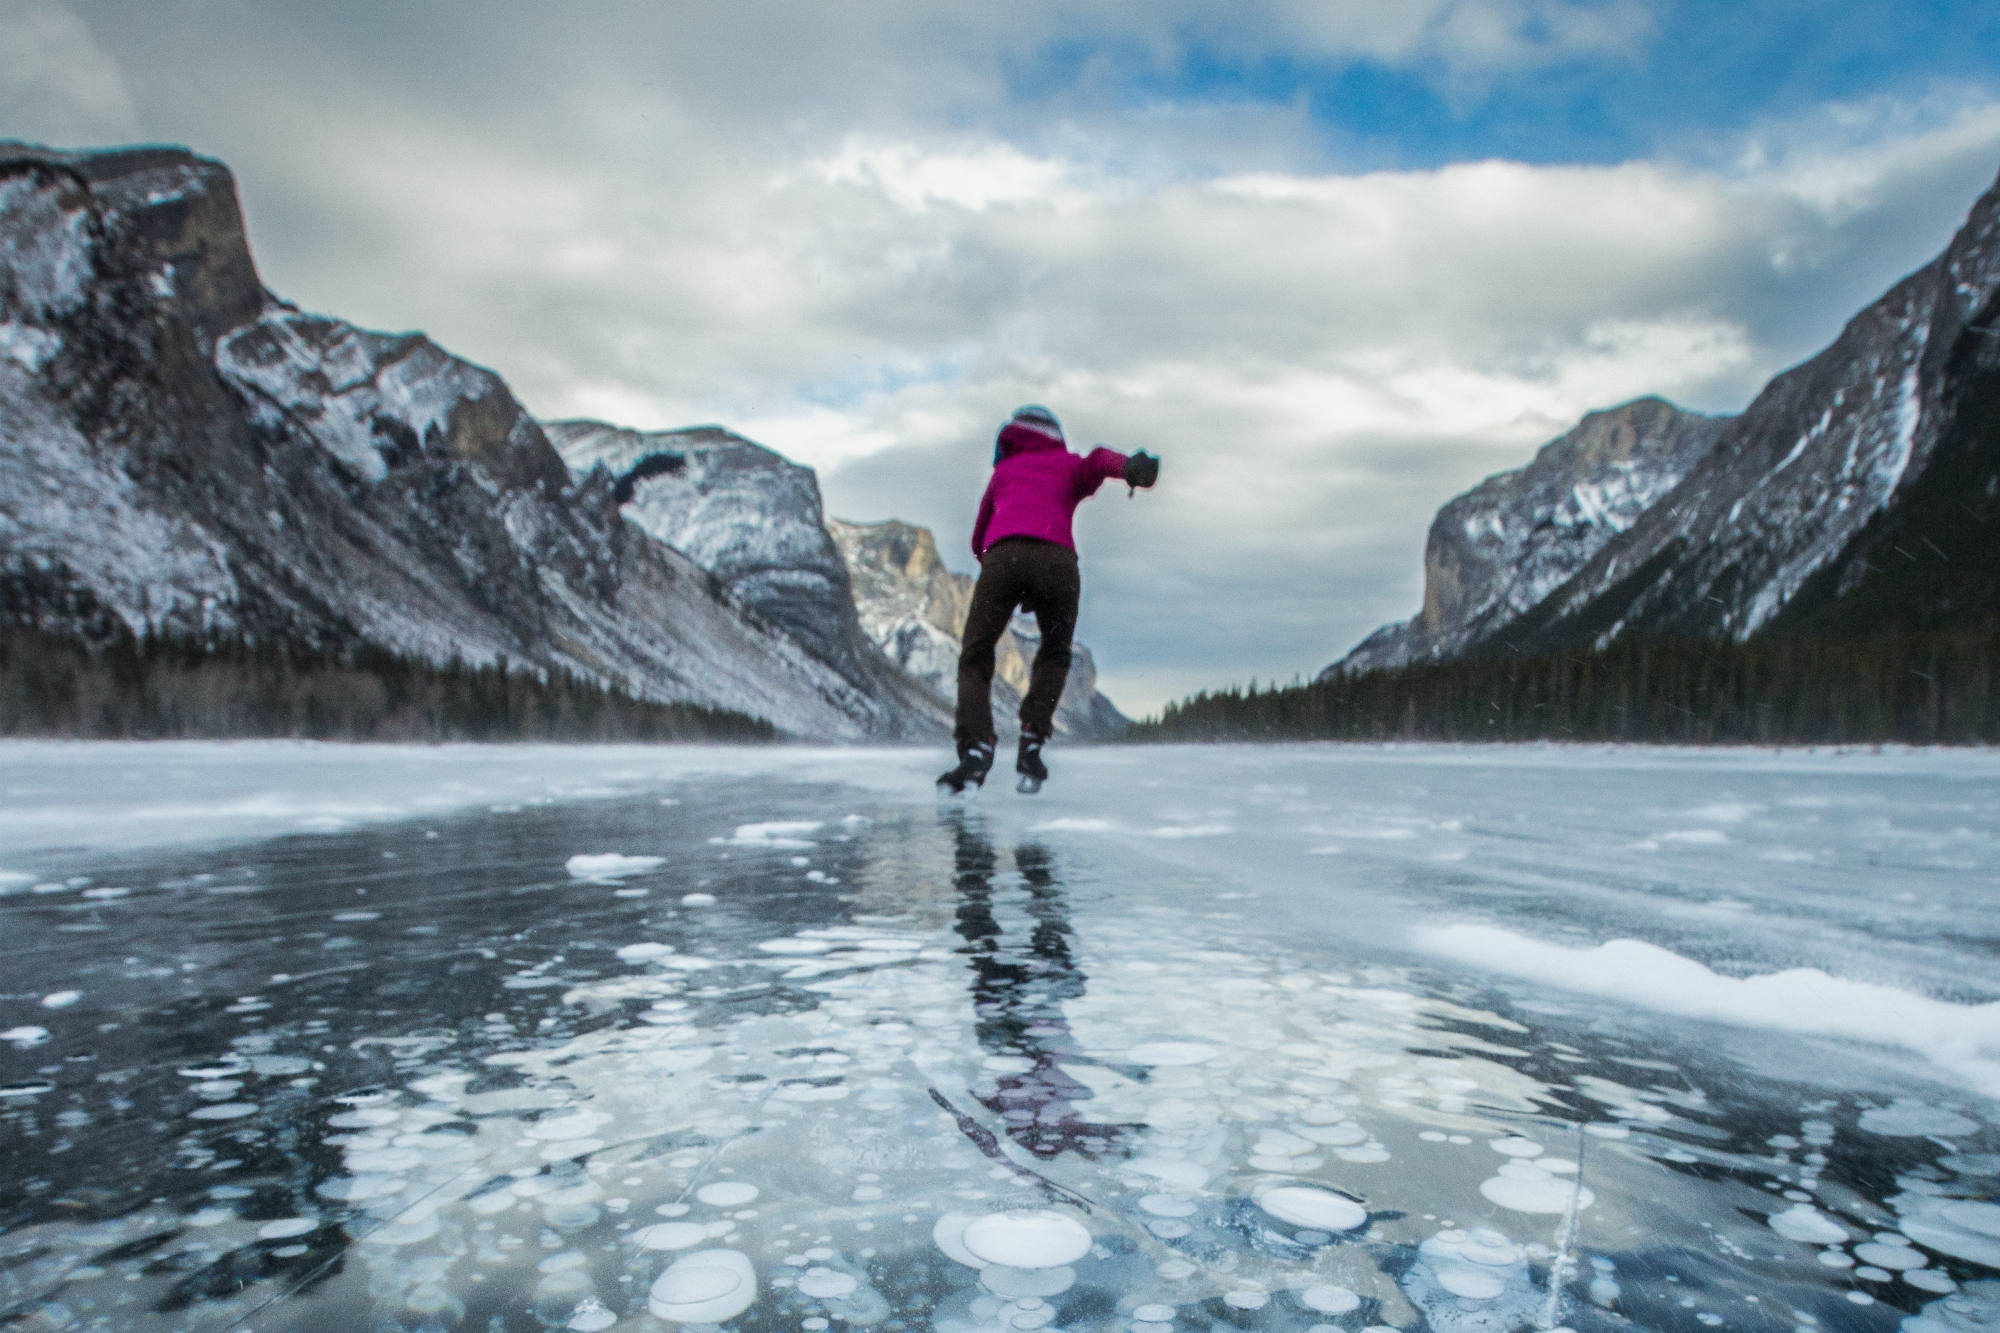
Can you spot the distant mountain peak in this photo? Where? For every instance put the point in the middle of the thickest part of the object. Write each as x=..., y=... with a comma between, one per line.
x=914, y=608
x=1501, y=547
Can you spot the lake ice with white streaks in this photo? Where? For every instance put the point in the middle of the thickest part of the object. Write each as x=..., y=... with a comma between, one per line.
x=1462, y=1039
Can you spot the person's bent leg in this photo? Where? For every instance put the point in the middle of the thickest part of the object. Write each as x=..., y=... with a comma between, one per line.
x=1055, y=588
x=994, y=597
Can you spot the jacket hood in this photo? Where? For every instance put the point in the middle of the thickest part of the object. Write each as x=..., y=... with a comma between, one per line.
x=1026, y=436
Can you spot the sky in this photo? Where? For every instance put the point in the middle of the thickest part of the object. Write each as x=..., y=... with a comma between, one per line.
x=1334, y=261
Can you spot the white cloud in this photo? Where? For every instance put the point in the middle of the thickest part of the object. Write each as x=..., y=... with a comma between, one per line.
x=974, y=179
x=57, y=85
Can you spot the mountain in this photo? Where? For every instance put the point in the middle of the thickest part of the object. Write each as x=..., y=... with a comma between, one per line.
x=1497, y=550
x=914, y=608
x=183, y=455
x=1858, y=494
x=754, y=520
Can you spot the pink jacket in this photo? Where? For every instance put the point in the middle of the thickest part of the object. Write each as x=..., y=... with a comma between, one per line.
x=1037, y=485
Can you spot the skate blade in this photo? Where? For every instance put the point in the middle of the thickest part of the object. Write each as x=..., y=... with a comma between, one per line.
x=947, y=792
x=1028, y=786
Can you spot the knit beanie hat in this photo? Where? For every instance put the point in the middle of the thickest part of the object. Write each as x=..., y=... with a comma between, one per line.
x=1033, y=417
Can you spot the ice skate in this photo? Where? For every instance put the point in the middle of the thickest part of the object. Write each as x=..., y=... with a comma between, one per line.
x=974, y=761
x=1028, y=763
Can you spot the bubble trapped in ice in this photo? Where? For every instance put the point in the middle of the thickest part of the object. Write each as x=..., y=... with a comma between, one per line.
x=705, y=1287
x=1306, y=1206
x=1027, y=1239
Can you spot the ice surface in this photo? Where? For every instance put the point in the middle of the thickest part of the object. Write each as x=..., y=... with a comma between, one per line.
x=1006, y=1065
x=1907, y=1117
x=149, y=794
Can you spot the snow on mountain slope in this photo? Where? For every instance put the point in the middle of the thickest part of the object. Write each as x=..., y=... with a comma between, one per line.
x=914, y=609
x=1503, y=546
x=182, y=454
x=754, y=520
x=1794, y=507
x=1859, y=492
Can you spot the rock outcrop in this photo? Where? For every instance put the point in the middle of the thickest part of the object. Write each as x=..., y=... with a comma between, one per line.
x=1497, y=550
x=754, y=520
x=914, y=609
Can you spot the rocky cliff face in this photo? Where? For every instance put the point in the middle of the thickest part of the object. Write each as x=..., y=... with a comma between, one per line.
x=180, y=453
x=1499, y=549
x=1857, y=491
x=914, y=609
x=754, y=520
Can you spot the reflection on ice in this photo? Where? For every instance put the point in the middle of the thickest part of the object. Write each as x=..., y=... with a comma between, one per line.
x=907, y=1071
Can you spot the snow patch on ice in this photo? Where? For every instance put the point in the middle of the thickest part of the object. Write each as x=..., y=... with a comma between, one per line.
x=1071, y=824
x=1191, y=831
x=603, y=867
x=1961, y=1038
x=776, y=833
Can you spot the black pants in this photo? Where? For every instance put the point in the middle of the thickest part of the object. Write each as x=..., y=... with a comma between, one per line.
x=1042, y=577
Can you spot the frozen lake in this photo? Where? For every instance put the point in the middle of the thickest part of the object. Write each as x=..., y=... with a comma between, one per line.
x=1262, y=1038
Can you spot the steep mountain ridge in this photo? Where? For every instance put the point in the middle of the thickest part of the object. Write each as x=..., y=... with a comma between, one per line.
x=1859, y=493
x=184, y=455
x=754, y=520
x=1826, y=485
x=1497, y=550
x=914, y=609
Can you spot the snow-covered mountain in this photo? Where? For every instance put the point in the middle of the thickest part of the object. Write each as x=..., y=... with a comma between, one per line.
x=1859, y=492
x=754, y=520
x=1858, y=489
x=1501, y=547
x=181, y=453
x=914, y=609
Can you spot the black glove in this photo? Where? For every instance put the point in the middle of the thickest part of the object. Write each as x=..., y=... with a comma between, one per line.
x=1142, y=469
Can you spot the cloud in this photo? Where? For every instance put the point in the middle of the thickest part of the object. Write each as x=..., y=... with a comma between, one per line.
x=57, y=85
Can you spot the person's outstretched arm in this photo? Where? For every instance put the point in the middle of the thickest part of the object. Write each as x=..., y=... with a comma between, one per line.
x=1097, y=467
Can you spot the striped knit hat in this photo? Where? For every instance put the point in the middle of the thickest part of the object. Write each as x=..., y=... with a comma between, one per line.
x=1033, y=417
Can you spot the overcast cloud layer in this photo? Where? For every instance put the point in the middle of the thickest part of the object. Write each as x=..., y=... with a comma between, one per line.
x=1335, y=261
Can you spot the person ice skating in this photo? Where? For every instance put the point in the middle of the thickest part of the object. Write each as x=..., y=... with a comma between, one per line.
x=1027, y=558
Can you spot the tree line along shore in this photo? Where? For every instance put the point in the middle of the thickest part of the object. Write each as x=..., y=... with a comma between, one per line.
x=1938, y=687
x=129, y=688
